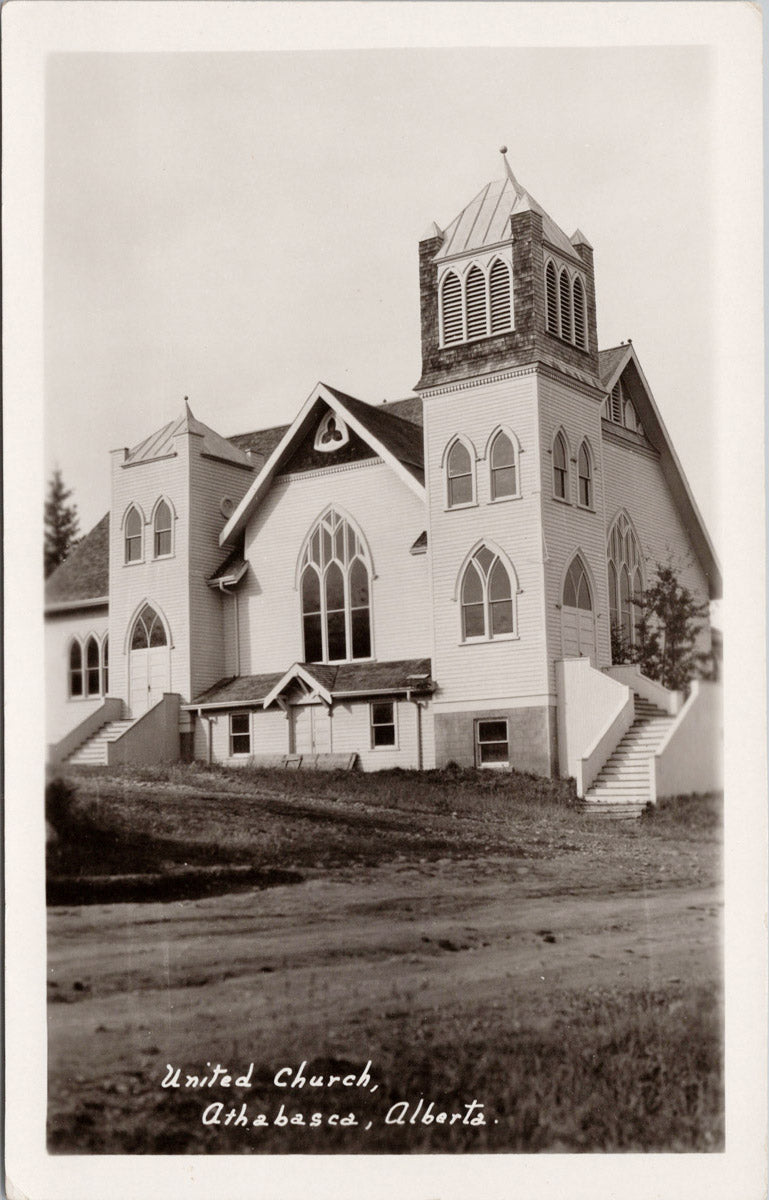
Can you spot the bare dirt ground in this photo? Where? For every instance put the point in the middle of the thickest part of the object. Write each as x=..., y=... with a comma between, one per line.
x=347, y=965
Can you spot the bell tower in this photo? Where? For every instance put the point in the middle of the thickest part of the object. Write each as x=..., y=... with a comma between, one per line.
x=503, y=286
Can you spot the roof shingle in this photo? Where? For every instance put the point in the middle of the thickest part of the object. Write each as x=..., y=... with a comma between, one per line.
x=84, y=574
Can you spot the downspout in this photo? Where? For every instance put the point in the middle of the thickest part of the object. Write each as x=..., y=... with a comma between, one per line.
x=418, y=707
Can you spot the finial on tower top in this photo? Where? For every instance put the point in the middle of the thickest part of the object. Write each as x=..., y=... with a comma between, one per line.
x=508, y=169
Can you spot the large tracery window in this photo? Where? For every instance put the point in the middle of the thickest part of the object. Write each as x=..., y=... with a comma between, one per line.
x=487, y=597
x=625, y=579
x=335, y=589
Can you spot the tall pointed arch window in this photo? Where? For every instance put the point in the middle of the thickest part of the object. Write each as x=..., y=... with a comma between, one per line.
x=148, y=630
x=500, y=297
x=451, y=309
x=580, y=325
x=564, y=290
x=487, y=598
x=551, y=299
x=75, y=669
x=585, y=476
x=105, y=666
x=92, y=667
x=162, y=530
x=335, y=592
x=625, y=579
x=133, y=536
x=560, y=468
x=504, y=467
x=475, y=303
x=460, y=477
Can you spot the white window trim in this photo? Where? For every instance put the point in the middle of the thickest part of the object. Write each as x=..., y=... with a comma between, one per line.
x=484, y=264
x=497, y=766
x=134, y=562
x=568, y=489
x=241, y=753
x=470, y=448
x=517, y=494
x=488, y=636
x=365, y=558
x=396, y=743
x=82, y=641
x=172, y=552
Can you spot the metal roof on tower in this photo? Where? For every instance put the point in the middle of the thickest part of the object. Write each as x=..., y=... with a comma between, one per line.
x=486, y=219
x=161, y=443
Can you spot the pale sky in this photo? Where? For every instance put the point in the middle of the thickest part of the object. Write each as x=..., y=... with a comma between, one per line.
x=236, y=227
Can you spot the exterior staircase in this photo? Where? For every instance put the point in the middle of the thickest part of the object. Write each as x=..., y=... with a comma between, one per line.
x=93, y=751
x=622, y=788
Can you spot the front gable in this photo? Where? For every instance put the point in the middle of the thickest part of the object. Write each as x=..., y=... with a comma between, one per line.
x=326, y=445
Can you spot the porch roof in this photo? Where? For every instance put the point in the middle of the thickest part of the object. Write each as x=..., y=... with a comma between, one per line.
x=338, y=680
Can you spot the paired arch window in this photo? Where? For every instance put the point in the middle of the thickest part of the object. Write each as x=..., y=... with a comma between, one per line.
x=480, y=305
x=487, y=597
x=560, y=468
x=335, y=590
x=503, y=466
x=620, y=410
x=87, y=667
x=460, y=475
x=565, y=305
x=149, y=631
x=585, y=476
x=625, y=579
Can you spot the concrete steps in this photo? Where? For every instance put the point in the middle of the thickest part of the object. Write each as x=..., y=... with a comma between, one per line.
x=622, y=788
x=93, y=752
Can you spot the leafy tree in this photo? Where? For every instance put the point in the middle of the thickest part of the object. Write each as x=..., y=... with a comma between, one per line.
x=668, y=623
x=61, y=523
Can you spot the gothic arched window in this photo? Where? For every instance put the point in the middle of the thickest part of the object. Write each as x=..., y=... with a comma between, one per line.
x=92, y=667
x=335, y=591
x=162, y=530
x=75, y=669
x=148, y=631
x=504, y=468
x=625, y=579
x=133, y=536
x=560, y=468
x=460, y=482
x=487, y=597
x=585, y=476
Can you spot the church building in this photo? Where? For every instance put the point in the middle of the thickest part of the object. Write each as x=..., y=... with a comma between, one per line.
x=409, y=584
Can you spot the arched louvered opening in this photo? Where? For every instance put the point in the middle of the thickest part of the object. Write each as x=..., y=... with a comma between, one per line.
x=75, y=669
x=500, y=297
x=560, y=468
x=504, y=475
x=580, y=327
x=459, y=476
x=565, y=302
x=92, y=667
x=133, y=537
x=486, y=597
x=615, y=404
x=162, y=530
x=585, y=476
x=451, y=309
x=335, y=591
x=551, y=299
x=625, y=580
x=475, y=303
x=148, y=631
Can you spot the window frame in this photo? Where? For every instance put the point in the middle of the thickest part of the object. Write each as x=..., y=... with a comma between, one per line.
x=560, y=437
x=100, y=670
x=321, y=565
x=459, y=440
x=589, y=504
x=502, y=431
x=488, y=635
x=374, y=725
x=156, y=532
x=133, y=510
x=478, y=743
x=233, y=734
x=75, y=644
x=462, y=274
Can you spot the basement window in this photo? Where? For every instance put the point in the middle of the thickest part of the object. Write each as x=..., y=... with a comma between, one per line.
x=491, y=744
x=382, y=724
x=240, y=733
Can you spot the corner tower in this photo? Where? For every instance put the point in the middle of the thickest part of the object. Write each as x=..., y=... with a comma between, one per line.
x=503, y=286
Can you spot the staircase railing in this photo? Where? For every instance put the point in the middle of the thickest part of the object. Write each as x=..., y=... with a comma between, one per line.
x=648, y=689
x=594, y=714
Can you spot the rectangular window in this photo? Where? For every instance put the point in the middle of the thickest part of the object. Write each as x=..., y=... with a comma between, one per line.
x=382, y=724
x=240, y=733
x=491, y=744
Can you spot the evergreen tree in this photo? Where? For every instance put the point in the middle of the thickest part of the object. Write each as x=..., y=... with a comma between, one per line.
x=669, y=620
x=61, y=523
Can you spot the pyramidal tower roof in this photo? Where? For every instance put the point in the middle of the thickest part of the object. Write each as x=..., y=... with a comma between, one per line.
x=486, y=219
x=161, y=443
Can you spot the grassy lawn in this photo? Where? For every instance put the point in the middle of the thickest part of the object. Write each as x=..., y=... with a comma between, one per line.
x=472, y=934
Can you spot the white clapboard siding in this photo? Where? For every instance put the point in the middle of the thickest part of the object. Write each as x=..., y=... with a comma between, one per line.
x=567, y=528
x=390, y=518
x=483, y=671
x=64, y=713
x=634, y=482
x=352, y=734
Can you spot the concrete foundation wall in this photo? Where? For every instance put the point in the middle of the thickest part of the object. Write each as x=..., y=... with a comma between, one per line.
x=531, y=737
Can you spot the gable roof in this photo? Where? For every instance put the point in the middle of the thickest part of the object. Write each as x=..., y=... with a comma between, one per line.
x=486, y=220
x=84, y=574
x=397, y=441
x=161, y=443
x=616, y=362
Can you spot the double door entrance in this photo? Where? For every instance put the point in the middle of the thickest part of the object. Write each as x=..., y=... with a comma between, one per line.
x=311, y=724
